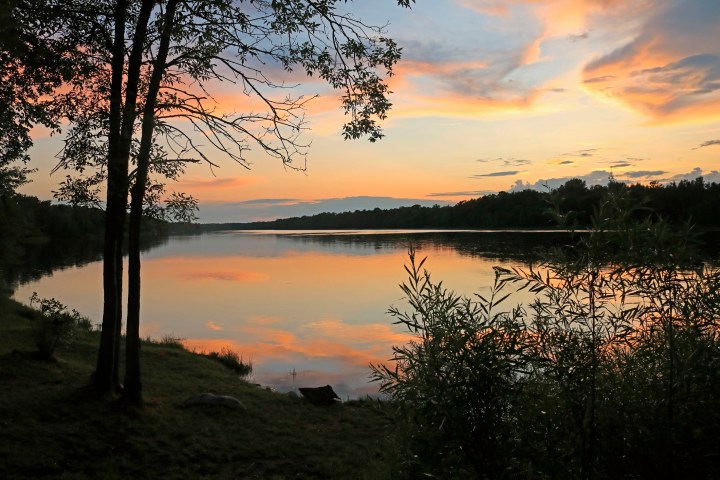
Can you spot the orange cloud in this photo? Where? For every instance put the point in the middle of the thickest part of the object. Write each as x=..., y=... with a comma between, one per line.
x=561, y=17
x=459, y=106
x=213, y=326
x=670, y=71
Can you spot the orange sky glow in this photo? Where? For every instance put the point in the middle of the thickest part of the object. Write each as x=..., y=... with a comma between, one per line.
x=491, y=96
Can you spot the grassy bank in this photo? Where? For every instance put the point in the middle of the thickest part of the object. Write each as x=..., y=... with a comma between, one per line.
x=51, y=428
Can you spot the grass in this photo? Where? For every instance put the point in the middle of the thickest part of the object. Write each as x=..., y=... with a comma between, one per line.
x=51, y=428
x=231, y=360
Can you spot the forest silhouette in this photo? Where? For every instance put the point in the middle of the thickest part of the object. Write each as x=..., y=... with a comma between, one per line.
x=692, y=201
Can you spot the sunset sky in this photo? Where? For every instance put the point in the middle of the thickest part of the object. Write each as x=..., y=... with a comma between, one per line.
x=495, y=95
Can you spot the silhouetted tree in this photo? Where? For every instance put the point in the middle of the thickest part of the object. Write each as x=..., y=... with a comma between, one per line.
x=146, y=109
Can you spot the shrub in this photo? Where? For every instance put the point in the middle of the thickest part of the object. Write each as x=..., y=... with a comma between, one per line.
x=611, y=371
x=232, y=360
x=169, y=341
x=55, y=325
x=456, y=379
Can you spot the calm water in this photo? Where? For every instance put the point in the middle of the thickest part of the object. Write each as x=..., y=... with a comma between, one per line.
x=307, y=308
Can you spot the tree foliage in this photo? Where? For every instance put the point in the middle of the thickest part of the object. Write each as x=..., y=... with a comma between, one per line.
x=37, y=58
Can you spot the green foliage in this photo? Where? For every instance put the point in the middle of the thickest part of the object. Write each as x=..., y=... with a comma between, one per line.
x=611, y=371
x=457, y=377
x=54, y=325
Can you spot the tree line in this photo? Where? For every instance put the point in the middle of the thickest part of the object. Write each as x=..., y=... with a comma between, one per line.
x=692, y=201
x=25, y=219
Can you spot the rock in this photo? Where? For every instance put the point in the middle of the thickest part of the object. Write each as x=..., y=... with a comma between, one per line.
x=212, y=399
x=320, y=395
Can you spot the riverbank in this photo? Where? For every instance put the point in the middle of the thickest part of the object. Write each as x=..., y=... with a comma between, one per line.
x=51, y=428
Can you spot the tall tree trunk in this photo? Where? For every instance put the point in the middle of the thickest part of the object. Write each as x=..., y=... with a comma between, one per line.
x=106, y=367
x=132, y=394
x=122, y=120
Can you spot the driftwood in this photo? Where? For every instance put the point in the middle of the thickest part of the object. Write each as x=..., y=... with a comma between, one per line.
x=212, y=399
x=320, y=395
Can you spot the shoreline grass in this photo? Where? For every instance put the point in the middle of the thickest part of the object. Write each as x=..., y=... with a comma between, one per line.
x=51, y=428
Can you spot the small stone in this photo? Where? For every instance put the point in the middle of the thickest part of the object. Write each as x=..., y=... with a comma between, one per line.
x=212, y=399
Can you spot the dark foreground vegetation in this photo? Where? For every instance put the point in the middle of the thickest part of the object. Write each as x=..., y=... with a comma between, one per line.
x=610, y=369
x=694, y=201
x=52, y=427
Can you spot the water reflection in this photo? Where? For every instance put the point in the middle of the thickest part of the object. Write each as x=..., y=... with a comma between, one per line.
x=31, y=262
x=306, y=309
x=503, y=245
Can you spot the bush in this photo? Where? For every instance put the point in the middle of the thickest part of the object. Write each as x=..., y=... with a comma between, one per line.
x=612, y=371
x=456, y=380
x=55, y=325
x=231, y=360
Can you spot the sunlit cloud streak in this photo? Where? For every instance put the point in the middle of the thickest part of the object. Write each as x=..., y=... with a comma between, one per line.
x=669, y=71
x=467, y=193
x=474, y=70
x=517, y=162
x=587, y=152
x=496, y=174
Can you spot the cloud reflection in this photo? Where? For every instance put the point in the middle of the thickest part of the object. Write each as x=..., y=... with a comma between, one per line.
x=326, y=351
